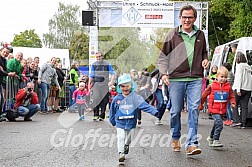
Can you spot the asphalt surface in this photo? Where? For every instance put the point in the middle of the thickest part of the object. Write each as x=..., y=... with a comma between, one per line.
x=61, y=140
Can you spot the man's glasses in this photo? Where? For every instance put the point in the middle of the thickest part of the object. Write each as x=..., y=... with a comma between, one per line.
x=187, y=17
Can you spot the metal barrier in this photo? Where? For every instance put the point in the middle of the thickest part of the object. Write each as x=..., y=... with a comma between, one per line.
x=12, y=87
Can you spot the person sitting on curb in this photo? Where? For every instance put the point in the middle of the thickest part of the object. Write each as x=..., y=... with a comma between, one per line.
x=27, y=103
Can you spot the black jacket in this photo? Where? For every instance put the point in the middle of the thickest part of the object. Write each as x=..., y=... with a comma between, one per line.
x=3, y=69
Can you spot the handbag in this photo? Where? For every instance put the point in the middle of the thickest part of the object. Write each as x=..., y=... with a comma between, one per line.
x=11, y=115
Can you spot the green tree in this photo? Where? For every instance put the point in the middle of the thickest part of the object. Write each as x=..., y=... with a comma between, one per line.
x=62, y=27
x=28, y=38
x=239, y=14
x=123, y=48
x=79, y=47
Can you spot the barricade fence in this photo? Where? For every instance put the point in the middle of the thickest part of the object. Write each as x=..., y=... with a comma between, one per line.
x=12, y=86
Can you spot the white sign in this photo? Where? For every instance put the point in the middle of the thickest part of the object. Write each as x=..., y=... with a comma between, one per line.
x=148, y=14
x=93, y=43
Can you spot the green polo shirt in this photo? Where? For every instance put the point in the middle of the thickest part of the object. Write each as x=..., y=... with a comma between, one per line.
x=189, y=40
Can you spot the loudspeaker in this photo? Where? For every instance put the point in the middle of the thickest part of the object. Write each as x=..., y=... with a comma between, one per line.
x=87, y=18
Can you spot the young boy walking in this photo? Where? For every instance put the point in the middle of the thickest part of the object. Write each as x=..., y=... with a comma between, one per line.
x=123, y=113
x=220, y=93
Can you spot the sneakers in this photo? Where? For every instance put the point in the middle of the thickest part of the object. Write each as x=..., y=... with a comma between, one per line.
x=121, y=157
x=175, y=145
x=96, y=118
x=242, y=127
x=210, y=140
x=126, y=149
x=139, y=122
x=101, y=119
x=228, y=122
x=193, y=150
x=2, y=119
x=235, y=124
x=27, y=119
x=217, y=143
x=44, y=112
x=158, y=122
x=82, y=117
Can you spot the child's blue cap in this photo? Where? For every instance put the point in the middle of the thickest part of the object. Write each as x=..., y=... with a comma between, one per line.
x=125, y=78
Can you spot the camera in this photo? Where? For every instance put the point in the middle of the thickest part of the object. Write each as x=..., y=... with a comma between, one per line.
x=29, y=89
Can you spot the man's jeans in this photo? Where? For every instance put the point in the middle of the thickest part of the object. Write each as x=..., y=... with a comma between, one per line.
x=1, y=100
x=192, y=90
x=45, y=88
x=71, y=88
x=28, y=111
x=160, y=107
x=217, y=128
x=229, y=111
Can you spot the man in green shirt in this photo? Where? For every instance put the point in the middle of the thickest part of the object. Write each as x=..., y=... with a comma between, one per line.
x=181, y=63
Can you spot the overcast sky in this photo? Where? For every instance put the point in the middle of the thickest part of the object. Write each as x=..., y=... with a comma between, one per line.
x=20, y=15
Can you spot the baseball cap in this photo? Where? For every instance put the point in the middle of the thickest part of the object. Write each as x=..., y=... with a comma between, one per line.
x=125, y=78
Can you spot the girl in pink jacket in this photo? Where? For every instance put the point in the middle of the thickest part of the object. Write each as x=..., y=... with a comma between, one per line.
x=79, y=96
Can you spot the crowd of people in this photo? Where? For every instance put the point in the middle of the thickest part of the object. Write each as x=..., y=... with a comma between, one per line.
x=26, y=88
x=178, y=81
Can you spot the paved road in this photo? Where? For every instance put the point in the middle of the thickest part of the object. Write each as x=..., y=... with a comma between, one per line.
x=61, y=140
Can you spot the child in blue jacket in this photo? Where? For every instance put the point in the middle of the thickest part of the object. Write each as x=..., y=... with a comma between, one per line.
x=123, y=113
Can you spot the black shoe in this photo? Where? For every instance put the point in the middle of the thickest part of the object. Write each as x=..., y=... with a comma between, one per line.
x=12, y=120
x=59, y=110
x=27, y=119
x=126, y=149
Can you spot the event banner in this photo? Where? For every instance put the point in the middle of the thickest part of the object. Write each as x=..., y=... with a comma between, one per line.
x=148, y=14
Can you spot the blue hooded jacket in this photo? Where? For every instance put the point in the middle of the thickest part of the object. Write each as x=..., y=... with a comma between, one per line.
x=123, y=110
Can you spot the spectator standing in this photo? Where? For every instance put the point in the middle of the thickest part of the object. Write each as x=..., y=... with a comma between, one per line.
x=212, y=75
x=46, y=75
x=61, y=78
x=181, y=62
x=3, y=73
x=230, y=79
x=73, y=84
x=14, y=65
x=242, y=88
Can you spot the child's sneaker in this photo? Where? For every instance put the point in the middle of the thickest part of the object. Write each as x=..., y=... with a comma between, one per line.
x=82, y=117
x=121, y=157
x=96, y=118
x=217, y=143
x=210, y=140
x=158, y=122
x=126, y=149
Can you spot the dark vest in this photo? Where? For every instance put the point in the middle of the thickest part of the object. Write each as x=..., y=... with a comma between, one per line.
x=101, y=70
